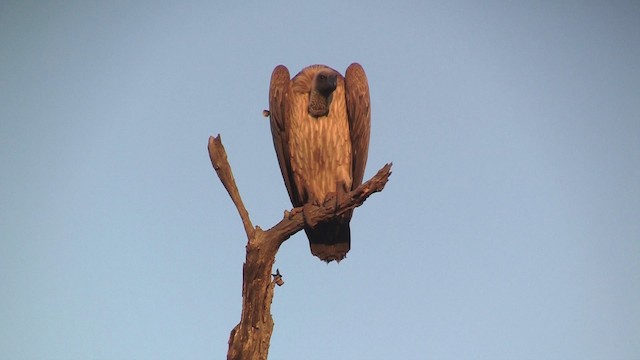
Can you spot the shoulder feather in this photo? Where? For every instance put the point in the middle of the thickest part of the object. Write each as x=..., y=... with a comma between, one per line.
x=359, y=113
x=279, y=94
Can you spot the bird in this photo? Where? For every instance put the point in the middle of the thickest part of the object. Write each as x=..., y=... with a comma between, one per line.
x=321, y=123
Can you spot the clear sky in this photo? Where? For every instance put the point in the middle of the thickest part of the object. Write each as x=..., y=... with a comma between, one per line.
x=510, y=228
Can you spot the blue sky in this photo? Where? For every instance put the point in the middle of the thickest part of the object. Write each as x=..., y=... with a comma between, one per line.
x=509, y=229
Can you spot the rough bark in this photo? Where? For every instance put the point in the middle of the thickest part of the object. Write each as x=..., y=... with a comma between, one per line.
x=249, y=340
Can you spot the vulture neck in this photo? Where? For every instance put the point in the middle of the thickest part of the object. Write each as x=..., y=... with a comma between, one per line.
x=319, y=104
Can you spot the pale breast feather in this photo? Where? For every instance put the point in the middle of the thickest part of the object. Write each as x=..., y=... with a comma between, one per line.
x=320, y=148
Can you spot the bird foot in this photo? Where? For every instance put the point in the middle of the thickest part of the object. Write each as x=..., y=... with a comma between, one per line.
x=291, y=214
x=306, y=213
x=335, y=198
x=331, y=197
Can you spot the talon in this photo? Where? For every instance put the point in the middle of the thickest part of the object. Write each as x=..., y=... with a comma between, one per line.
x=339, y=197
x=306, y=212
x=291, y=214
x=340, y=194
x=330, y=197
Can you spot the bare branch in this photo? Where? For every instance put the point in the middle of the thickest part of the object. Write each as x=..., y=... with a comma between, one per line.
x=294, y=221
x=249, y=340
x=220, y=163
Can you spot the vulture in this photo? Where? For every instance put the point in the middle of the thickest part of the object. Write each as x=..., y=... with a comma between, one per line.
x=320, y=123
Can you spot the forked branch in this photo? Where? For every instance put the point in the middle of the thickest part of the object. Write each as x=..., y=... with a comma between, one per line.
x=249, y=340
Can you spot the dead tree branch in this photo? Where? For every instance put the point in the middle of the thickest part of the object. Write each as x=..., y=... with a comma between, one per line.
x=220, y=163
x=249, y=340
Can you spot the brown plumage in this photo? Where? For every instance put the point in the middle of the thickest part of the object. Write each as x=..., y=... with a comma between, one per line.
x=320, y=122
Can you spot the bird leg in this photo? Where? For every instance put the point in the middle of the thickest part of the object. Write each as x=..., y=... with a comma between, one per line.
x=306, y=211
x=336, y=197
x=340, y=195
x=333, y=198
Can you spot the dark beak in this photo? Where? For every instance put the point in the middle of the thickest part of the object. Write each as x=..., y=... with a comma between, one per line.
x=327, y=85
x=333, y=82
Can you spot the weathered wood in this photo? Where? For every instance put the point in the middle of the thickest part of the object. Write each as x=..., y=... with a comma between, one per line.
x=221, y=165
x=249, y=340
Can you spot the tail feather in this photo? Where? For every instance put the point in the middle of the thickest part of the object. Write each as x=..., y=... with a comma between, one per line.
x=329, y=241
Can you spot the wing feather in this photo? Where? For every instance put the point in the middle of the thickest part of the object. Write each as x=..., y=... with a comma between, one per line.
x=359, y=113
x=279, y=119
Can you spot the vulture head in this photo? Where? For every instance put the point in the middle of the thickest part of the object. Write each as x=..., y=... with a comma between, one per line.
x=324, y=83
